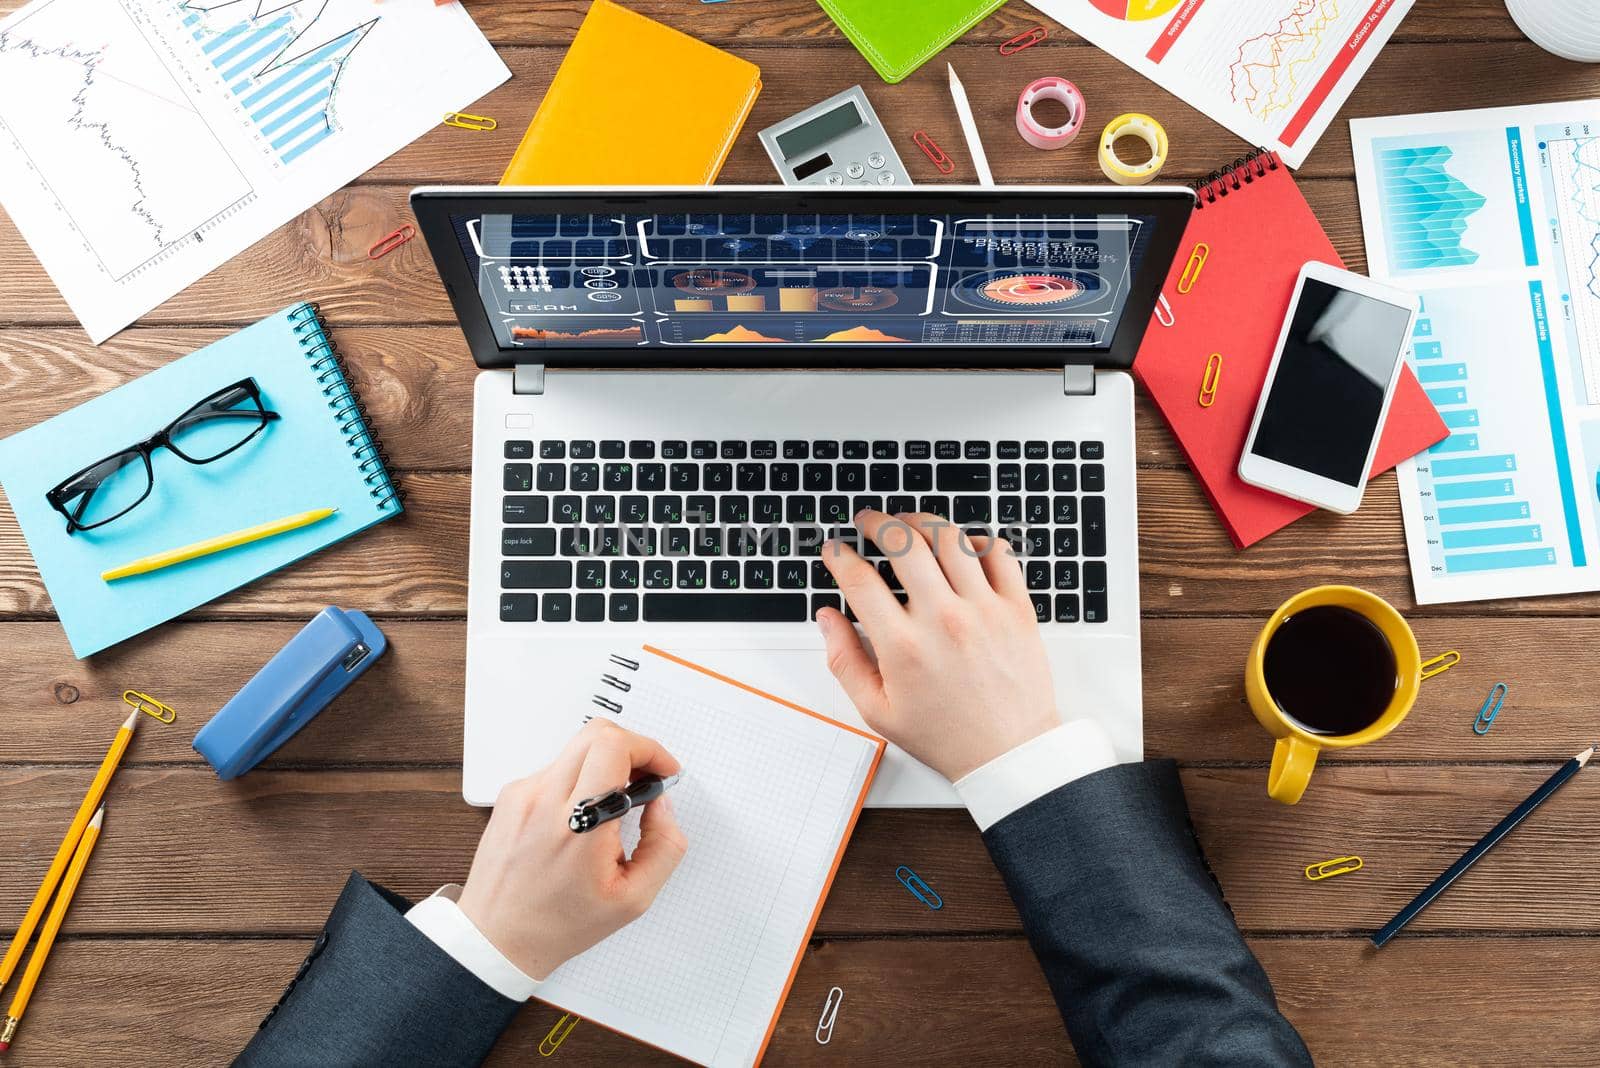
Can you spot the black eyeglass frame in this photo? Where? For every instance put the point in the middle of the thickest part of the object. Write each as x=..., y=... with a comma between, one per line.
x=68, y=489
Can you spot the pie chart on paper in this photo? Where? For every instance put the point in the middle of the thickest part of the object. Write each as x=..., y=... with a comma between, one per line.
x=1135, y=10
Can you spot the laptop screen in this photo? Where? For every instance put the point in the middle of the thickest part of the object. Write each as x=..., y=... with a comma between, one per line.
x=699, y=280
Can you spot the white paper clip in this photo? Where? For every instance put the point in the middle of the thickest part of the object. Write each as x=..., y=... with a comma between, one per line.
x=830, y=1011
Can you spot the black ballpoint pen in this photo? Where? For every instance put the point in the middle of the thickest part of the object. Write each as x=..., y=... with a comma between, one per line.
x=592, y=812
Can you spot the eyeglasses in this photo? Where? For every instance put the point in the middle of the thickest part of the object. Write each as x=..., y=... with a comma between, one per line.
x=111, y=488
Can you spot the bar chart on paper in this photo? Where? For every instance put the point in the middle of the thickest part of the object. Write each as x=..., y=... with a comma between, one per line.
x=277, y=65
x=1485, y=507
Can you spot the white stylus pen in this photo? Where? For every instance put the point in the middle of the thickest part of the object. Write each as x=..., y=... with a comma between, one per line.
x=968, y=127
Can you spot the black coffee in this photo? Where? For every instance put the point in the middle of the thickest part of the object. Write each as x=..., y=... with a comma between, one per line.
x=1331, y=669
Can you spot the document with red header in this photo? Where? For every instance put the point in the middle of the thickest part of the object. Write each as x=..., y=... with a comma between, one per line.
x=1273, y=71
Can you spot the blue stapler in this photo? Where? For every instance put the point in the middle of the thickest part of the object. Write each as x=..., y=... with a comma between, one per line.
x=328, y=654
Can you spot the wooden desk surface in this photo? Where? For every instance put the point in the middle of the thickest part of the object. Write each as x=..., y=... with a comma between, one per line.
x=203, y=897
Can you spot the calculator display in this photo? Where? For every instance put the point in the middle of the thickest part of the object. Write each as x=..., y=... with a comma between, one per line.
x=819, y=131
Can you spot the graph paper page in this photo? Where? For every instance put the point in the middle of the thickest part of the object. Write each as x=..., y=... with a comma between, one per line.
x=703, y=973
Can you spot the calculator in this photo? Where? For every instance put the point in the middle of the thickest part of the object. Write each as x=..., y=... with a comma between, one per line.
x=839, y=142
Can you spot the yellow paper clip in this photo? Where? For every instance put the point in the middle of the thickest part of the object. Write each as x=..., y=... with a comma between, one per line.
x=1209, y=383
x=1192, y=269
x=558, y=1034
x=470, y=122
x=1327, y=869
x=149, y=706
x=1440, y=664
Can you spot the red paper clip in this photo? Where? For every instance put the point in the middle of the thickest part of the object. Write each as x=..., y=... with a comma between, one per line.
x=933, y=152
x=390, y=242
x=1024, y=40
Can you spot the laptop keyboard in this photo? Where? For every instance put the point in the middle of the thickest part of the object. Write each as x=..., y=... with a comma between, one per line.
x=732, y=531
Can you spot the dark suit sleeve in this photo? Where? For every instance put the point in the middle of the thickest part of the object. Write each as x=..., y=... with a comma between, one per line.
x=1141, y=951
x=376, y=990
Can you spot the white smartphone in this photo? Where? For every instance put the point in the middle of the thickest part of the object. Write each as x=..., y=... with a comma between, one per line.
x=1327, y=392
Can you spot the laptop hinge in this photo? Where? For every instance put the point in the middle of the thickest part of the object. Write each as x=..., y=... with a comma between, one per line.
x=1077, y=380
x=527, y=380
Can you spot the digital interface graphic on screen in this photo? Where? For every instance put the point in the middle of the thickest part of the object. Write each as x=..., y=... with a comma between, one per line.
x=619, y=280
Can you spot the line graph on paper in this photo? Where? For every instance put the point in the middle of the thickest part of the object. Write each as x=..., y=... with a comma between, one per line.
x=1272, y=64
x=1574, y=172
x=106, y=127
x=112, y=104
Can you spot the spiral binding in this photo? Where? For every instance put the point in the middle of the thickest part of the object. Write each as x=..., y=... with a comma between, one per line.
x=372, y=461
x=1241, y=172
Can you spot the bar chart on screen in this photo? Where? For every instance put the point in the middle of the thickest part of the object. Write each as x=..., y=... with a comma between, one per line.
x=144, y=142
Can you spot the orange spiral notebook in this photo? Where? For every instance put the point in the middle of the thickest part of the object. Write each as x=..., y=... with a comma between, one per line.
x=769, y=797
x=1254, y=231
x=635, y=103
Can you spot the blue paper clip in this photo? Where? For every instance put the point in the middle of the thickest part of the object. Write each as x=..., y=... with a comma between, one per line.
x=919, y=889
x=1491, y=708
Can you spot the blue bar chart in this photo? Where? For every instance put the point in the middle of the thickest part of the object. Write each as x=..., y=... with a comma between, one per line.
x=1481, y=520
x=283, y=76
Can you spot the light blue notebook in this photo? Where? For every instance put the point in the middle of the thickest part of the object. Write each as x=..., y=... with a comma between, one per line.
x=318, y=454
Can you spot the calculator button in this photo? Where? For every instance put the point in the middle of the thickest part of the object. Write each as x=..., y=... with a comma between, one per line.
x=855, y=170
x=886, y=178
x=876, y=161
x=834, y=178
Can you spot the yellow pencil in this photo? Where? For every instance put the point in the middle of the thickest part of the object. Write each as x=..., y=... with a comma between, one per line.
x=157, y=561
x=47, y=937
x=91, y=801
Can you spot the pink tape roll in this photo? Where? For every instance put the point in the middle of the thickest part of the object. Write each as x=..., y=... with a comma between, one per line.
x=1050, y=137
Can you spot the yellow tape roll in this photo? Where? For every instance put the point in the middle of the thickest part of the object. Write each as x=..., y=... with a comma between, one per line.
x=1147, y=130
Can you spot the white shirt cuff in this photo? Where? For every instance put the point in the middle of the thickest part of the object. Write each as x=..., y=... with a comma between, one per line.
x=441, y=919
x=1034, y=768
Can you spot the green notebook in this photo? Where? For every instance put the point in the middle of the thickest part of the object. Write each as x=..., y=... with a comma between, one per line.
x=898, y=36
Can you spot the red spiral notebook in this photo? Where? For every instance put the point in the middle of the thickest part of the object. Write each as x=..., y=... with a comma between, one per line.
x=1256, y=231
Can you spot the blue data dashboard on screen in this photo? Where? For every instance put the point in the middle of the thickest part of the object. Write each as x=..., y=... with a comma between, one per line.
x=812, y=280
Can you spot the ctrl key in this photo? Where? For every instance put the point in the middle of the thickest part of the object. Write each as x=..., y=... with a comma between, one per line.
x=519, y=607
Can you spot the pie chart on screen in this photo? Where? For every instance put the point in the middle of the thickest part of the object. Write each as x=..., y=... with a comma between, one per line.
x=1135, y=10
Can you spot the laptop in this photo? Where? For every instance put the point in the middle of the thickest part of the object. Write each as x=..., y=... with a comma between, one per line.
x=685, y=391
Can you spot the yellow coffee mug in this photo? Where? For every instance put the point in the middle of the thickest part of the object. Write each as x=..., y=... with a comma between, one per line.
x=1295, y=754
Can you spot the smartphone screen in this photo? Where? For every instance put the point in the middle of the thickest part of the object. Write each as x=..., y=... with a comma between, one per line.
x=1338, y=357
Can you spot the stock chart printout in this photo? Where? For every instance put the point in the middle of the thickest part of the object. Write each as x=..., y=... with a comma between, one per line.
x=145, y=142
x=1275, y=72
x=631, y=280
x=1493, y=217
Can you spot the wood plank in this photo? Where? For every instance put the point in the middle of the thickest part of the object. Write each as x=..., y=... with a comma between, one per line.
x=407, y=712
x=1421, y=74
x=800, y=23
x=416, y=565
x=320, y=260
x=415, y=381
x=265, y=853
x=927, y=1001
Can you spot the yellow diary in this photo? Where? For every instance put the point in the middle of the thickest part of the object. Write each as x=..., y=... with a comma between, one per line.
x=635, y=103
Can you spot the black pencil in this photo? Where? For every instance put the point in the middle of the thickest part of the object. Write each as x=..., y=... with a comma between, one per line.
x=1486, y=843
